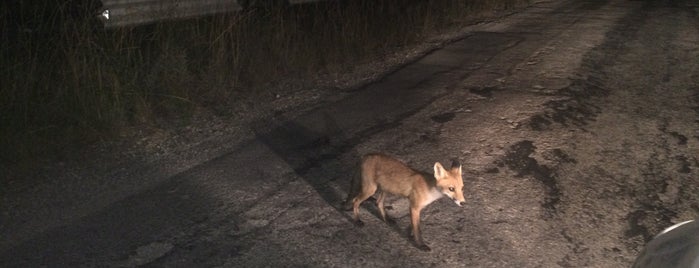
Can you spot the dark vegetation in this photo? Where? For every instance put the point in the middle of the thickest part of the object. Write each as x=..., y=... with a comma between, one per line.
x=67, y=82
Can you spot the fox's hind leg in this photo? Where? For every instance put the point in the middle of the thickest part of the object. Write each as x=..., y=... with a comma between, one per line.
x=379, y=204
x=368, y=189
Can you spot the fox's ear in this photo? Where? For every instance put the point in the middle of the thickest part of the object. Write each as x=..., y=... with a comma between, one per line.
x=439, y=171
x=455, y=165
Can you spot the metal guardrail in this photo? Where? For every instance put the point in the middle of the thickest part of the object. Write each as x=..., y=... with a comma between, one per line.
x=294, y=2
x=120, y=13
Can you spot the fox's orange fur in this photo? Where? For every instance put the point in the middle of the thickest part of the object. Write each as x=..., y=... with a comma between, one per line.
x=389, y=175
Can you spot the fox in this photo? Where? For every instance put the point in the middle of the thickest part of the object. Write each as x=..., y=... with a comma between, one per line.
x=389, y=175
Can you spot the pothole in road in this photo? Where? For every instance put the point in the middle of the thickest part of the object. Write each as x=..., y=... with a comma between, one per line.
x=648, y=221
x=539, y=123
x=148, y=253
x=486, y=92
x=684, y=165
x=443, y=118
x=576, y=110
x=518, y=159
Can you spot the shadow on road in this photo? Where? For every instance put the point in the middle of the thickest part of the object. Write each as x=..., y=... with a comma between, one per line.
x=131, y=232
x=314, y=148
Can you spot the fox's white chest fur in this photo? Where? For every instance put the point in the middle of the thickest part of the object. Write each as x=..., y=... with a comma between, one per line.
x=433, y=195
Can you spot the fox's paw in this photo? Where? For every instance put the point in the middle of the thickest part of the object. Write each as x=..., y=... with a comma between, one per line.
x=359, y=223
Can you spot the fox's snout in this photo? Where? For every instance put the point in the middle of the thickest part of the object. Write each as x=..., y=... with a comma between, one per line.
x=458, y=203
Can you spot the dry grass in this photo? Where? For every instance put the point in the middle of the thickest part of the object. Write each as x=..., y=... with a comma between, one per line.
x=66, y=82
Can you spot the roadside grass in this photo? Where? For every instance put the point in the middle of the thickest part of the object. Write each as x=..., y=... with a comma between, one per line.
x=67, y=83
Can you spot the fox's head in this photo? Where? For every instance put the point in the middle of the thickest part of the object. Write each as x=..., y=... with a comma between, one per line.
x=449, y=182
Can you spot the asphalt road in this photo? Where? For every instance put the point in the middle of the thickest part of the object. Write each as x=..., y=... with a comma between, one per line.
x=577, y=123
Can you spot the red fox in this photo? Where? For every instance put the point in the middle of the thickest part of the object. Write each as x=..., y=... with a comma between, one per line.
x=387, y=174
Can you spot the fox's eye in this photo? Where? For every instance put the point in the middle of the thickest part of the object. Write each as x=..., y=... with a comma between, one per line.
x=451, y=189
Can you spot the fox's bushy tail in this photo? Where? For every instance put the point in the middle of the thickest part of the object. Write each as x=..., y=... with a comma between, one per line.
x=355, y=187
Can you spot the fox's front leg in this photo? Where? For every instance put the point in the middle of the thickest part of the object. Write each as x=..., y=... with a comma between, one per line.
x=415, y=224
